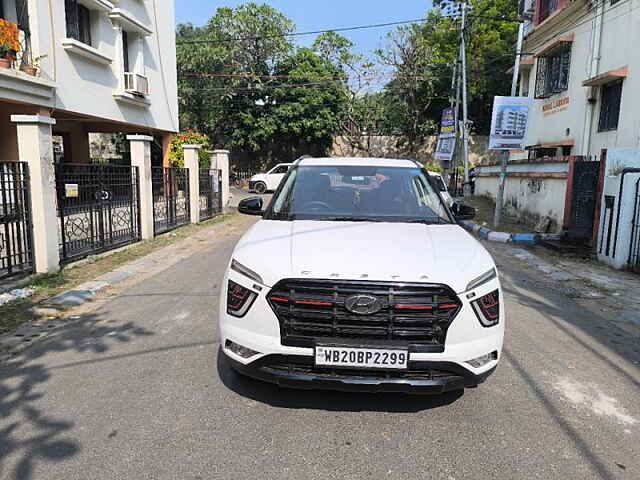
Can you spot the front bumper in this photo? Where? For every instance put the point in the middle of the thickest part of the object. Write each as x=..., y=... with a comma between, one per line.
x=422, y=377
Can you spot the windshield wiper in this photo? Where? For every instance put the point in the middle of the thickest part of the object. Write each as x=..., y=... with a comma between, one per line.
x=439, y=221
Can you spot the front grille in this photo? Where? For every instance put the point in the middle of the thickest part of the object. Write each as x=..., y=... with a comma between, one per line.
x=413, y=315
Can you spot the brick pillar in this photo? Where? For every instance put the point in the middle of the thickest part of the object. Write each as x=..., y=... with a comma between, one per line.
x=191, y=161
x=141, y=158
x=35, y=146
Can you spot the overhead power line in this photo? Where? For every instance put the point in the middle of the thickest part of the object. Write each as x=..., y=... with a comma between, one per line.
x=329, y=30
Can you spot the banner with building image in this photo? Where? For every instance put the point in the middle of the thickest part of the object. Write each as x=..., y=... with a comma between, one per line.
x=447, y=137
x=509, y=123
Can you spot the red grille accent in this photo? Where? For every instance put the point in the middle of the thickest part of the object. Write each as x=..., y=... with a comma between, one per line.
x=413, y=307
x=313, y=303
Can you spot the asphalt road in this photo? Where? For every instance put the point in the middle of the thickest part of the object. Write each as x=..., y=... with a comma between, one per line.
x=138, y=390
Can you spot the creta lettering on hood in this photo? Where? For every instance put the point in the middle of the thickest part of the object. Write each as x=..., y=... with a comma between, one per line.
x=375, y=251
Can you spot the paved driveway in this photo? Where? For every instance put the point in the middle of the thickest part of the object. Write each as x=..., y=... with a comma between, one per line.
x=138, y=390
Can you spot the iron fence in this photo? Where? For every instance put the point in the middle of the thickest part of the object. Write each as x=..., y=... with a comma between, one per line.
x=99, y=208
x=210, y=193
x=16, y=251
x=170, y=198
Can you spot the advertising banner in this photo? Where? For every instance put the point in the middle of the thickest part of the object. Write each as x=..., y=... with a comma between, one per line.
x=509, y=123
x=447, y=137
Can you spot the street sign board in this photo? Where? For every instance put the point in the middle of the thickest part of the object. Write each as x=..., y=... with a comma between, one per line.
x=447, y=137
x=509, y=123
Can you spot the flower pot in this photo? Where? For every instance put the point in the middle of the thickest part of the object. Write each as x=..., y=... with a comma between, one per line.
x=30, y=71
x=5, y=63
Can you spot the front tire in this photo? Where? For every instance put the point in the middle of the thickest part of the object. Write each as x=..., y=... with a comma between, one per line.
x=260, y=187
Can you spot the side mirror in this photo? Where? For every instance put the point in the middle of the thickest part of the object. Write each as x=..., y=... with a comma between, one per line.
x=251, y=206
x=463, y=212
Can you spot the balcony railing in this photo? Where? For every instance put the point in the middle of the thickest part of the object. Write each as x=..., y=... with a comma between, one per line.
x=136, y=83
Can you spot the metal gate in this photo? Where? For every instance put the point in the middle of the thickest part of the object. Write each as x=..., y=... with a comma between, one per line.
x=16, y=251
x=210, y=193
x=583, y=203
x=99, y=208
x=634, y=248
x=170, y=198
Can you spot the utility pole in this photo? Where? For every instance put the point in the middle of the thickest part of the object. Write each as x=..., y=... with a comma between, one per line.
x=453, y=103
x=456, y=117
x=504, y=155
x=465, y=118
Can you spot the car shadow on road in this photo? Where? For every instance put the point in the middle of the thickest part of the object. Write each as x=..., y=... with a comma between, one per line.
x=328, y=400
x=29, y=434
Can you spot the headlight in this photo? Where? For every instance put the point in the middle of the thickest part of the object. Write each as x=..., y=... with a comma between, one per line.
x=487, y=309
x=482, y=279
x=239, y=299
x=247, y=272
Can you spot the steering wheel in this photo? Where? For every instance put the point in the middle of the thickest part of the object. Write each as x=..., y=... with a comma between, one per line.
x=316, y=205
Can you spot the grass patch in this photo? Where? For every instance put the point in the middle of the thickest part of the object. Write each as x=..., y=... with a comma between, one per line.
x=12, y=315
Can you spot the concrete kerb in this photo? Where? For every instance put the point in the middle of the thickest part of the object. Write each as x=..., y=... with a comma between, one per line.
x=504, y=237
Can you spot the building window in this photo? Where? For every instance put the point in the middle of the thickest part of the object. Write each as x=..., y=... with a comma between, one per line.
x=611, y=95
x=547, y=7
x=552, y=75
x=78, y=21
x=125, y=51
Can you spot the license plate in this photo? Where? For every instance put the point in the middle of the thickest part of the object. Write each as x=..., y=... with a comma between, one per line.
x=361, y=357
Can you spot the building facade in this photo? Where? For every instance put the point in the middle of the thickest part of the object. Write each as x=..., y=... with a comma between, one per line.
x=92, y=66
x=581, y=72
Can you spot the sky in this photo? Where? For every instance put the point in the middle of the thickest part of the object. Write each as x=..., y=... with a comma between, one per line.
x=321, y=15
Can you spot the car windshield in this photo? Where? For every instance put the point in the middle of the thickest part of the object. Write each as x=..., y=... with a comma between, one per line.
x=358, y=193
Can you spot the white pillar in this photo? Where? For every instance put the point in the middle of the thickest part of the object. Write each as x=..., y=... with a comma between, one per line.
x=222, y=164
x=35, y=147
x=191, y=161
x=141, y=158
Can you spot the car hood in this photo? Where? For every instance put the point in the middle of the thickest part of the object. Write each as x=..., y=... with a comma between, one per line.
x=373, y=251
x=258, y=176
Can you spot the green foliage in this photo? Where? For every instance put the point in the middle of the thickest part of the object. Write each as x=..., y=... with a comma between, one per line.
x=433, y=166
x=176, y=150
x=430, y=49
x=264, y=99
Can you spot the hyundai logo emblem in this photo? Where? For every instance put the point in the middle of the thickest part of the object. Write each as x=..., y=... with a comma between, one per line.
x=363, y=304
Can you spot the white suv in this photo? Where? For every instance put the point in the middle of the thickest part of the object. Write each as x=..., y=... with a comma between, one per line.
x=269, y=181
x=359, y=278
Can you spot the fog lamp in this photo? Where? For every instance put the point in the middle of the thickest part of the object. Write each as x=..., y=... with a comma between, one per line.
x=243, y=352
x=483, y=360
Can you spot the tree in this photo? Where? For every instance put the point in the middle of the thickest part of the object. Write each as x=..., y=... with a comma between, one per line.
x=408, y=96
x=431, y=49
x=254, y=92
x=362, y=111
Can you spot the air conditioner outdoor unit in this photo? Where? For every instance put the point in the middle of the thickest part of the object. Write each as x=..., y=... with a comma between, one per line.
x=136, y=84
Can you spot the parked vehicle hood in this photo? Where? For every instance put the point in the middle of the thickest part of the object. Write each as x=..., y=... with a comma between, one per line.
x=363, y=251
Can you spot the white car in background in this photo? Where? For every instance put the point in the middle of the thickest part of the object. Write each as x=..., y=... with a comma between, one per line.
x=358, y=277
x=442, y=188
x=268, y=182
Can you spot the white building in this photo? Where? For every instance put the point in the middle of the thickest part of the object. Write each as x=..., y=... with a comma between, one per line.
x=582, y=76
x=106, y=66
x=580, y=69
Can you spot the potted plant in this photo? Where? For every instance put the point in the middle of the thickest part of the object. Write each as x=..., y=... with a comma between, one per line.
x=9, y=42
x=32, y=67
